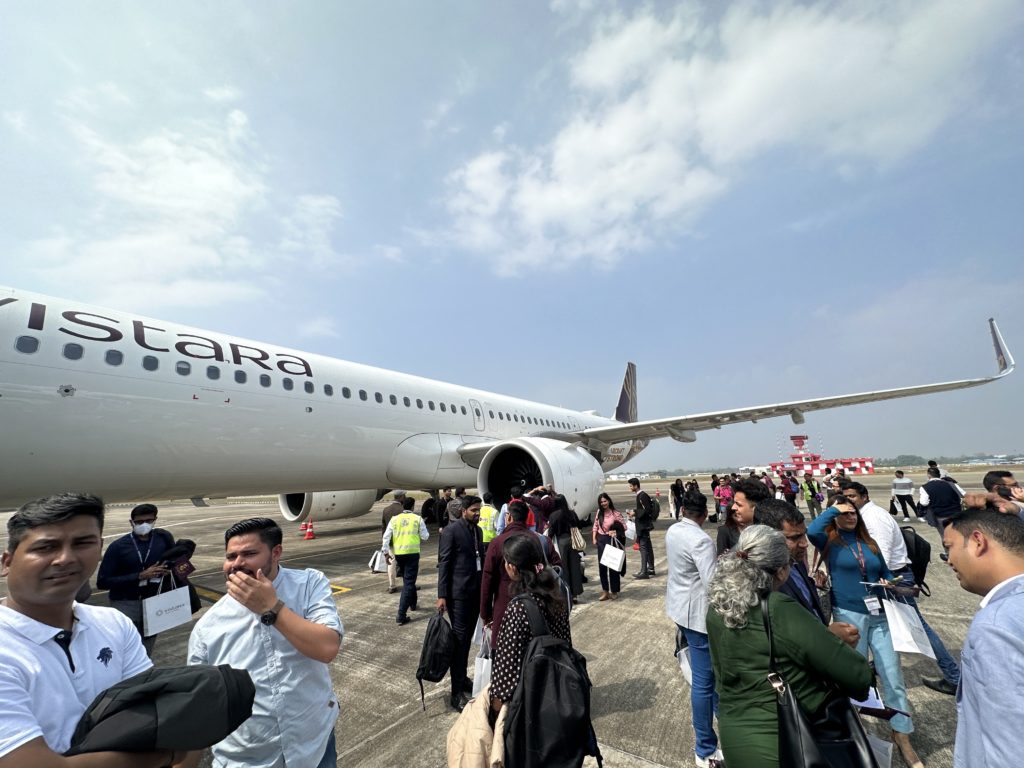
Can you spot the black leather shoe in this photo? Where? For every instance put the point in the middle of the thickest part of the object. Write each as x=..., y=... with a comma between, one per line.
x=641, y=576
x=467, y=685
x=651, y=573
x=458, y=702
x=942, y=685
x=403, y=620
x=392, y=590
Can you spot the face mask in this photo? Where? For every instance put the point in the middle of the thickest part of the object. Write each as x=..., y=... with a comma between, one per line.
x=143, y=529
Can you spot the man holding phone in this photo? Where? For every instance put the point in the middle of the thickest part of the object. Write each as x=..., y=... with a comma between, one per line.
x=134, y=566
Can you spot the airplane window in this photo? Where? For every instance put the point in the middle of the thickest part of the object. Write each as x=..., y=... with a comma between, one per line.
x=454, y=409
x=183, y=368
x=287, y=383
x=27, y=344
x=241, y=377
x=463, y=408
x=328, y=390
x=73, y=351
x=443, y=408
x=507, y=416
x=501, y=416
x=378, y=397
x=114, y=357
x=212, y=372
x=419, y=403
x=491, y=413
x=477, y=412
x=150, y=363
x=264, y=380
x=393, y=400
x=515, y=418
x=346, y=392
x=308, y=386
x=362, y=394
x=430, y=404
x=407, y=401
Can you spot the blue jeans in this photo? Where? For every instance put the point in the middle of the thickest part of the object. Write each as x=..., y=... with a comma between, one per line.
x=874, y=633
x=330, y=758
x=703, y=699
x=950, y=669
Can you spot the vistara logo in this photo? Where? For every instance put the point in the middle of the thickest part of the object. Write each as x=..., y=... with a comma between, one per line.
x=105, y=656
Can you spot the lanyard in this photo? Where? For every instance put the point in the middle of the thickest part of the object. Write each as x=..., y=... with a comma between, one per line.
x=859, y=554
x=138, y=551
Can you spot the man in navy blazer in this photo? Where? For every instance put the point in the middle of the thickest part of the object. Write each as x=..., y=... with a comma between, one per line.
x=783, y=516
x=986, y=551
x=460, y=559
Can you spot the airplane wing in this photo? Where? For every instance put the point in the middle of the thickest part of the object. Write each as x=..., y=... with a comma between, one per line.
x=684, y=428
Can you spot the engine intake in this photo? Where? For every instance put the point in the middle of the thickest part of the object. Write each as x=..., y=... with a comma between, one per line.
x=527, y=462
x=325, y=505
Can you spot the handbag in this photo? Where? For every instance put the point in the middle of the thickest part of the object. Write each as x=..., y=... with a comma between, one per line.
x=576, y=540
x=482, y=664
x=834, y=738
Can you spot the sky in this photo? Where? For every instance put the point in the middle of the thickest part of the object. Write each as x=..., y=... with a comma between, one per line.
x=753, y=201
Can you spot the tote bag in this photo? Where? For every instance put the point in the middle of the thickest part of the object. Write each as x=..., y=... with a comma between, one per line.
x=908, y=635
x=166, y=610
x=613, y=556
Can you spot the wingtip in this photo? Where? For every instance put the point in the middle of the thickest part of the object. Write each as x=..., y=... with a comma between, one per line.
x=1004, y=360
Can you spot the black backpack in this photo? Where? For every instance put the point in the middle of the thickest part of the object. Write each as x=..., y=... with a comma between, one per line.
x=168, y=708
x=548, y=722
x=436, y=656
x=655, y=508
x=920, y=553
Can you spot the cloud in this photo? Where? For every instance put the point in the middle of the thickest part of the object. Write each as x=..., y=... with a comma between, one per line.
x=668, y=112
x=319, y=327
x=437, y=115
x=17, y=120
x=222, y=94
x=179, y=212
x=308, y=230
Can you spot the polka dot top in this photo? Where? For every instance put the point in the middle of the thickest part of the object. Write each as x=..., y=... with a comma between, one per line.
x=507, y=658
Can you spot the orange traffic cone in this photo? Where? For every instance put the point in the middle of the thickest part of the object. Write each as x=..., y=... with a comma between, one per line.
x=309, y=533
x=303, y=526
x=658, y=494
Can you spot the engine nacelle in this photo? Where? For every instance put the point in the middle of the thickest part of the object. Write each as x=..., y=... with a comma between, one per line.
x=531, y=461
x=325, y=505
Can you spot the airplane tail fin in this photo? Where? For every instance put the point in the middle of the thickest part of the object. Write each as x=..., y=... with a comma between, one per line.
x=1003, y=357
x=625, y=411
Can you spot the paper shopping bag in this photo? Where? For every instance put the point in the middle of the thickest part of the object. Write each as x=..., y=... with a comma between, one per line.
x=166, y=610
x=613, y=555
x=908, y=635
x=630, y=529
x=482, y=664
x=379, y=562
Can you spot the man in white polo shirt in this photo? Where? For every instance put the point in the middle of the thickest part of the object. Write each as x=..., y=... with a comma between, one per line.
x=57, y=655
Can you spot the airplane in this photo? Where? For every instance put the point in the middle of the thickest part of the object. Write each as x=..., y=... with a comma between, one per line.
x=132, y=408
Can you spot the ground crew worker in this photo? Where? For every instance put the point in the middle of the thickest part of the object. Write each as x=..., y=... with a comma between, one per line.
x=402, y=537
x=488, y=518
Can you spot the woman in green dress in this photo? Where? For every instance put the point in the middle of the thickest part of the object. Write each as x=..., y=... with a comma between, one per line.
x=814, y=662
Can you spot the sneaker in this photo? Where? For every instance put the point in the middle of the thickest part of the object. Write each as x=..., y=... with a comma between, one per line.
x=716, y=760
x=940, y=684
x=906, y=519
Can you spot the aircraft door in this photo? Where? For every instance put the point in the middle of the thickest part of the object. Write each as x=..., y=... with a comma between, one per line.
x=478, y=415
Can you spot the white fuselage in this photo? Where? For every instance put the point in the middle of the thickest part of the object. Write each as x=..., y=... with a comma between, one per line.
x=127, y=407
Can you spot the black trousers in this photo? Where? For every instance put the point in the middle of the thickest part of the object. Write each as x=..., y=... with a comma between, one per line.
x=643, y=538
x=609, y=578
x=407, y=567
x=463, y=614
x=907, y=502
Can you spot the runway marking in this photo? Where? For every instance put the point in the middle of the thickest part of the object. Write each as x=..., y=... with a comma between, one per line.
x=209, y=594
x=336, y=590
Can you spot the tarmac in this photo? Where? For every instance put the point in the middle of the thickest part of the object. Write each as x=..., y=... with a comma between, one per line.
x=640, y=702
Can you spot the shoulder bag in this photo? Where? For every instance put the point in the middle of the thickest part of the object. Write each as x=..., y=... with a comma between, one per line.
x=834, y=738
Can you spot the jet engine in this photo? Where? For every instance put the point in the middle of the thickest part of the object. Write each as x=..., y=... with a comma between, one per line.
x=326, y=505
x=527, y=462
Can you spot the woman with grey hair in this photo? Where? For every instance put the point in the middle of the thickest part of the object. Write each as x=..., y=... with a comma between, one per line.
x=816, y=664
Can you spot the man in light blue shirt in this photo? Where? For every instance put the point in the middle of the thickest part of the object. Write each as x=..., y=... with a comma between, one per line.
x=282, y=626
x=986, y=551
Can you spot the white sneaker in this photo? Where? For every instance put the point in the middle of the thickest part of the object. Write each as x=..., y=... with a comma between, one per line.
x=717, y=760
x=906, y=519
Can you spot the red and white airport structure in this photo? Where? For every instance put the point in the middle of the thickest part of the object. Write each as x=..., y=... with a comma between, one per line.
x=802, y=461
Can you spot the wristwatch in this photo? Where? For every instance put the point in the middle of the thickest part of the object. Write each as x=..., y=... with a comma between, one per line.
x=269, y=618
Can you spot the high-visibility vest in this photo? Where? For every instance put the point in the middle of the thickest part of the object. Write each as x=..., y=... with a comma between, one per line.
x=488, y=520
x=405, y=533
